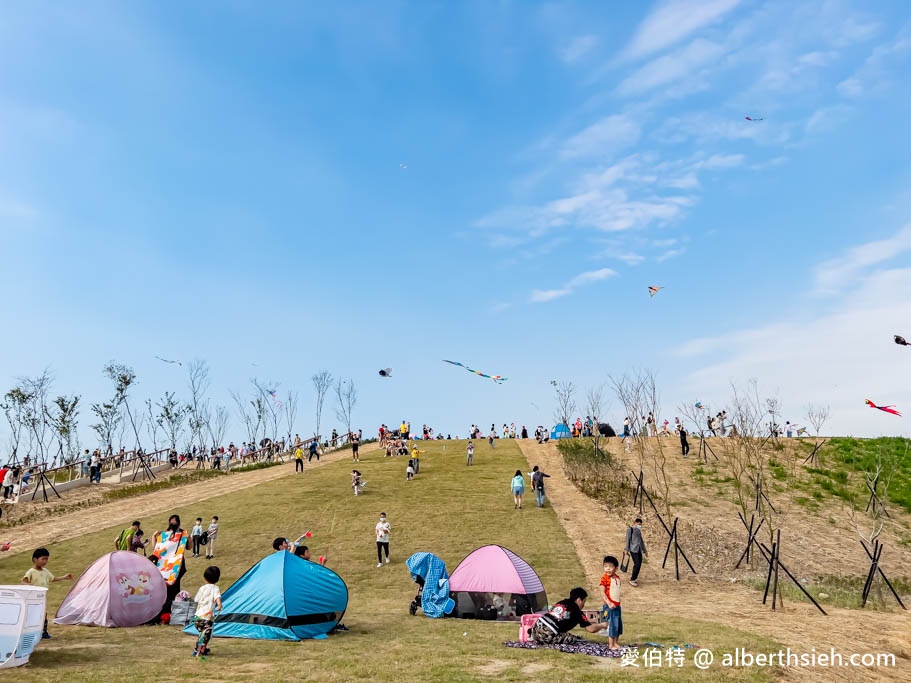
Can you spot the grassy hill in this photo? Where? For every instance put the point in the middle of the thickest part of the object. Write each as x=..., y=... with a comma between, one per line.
x=449, y=509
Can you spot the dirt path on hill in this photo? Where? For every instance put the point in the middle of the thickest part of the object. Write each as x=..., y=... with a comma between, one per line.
x=595, y=532
x=48, y=531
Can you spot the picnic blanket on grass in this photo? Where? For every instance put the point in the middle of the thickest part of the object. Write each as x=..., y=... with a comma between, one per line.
x=583, y=647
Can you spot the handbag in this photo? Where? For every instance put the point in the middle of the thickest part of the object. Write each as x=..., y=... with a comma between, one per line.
x=624, y=561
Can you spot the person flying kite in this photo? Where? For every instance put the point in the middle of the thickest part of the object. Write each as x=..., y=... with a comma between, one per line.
x=496, y=378
x=885, y=409
x=652, y=291
x=901, y=341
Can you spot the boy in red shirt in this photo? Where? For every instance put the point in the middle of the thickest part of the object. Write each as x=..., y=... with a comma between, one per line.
x=610, y=595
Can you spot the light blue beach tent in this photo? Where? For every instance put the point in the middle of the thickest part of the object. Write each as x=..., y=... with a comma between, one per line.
x=560, y=431
x=281, y=597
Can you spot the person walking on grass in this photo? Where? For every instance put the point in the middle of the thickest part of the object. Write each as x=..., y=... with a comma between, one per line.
x=518, y=489
x=39, y=576
x=635, y=546
x=382, y=540
x=684, y=444
x=537, y=483
x=196, y=536
x=355, y=440
x=298, y=459
x=211, y=532
x=470, y=458
x=208, y=605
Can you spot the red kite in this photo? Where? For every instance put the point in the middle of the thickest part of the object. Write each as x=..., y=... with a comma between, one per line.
x=885, y=409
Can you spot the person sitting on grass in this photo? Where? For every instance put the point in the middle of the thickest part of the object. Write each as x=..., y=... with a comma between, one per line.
x=553, y=628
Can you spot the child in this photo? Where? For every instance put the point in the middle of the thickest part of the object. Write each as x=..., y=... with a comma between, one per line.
x=137, y=543
x=212, y=532
x=470, y=454
x=355, y=480
x=208, y=604
x=41, y=577
x=610, y=595
x=409, y=471
x=196, y=535
x=382, y=540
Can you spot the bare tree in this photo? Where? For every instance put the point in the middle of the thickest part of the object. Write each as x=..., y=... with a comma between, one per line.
x=219, y=426
x=346, y=400
x=594, y=399
x=109, y=417
x=171, y=417
x=817, y=417
x=246, y=416
x=123, y=378
x=62, y=416
x=198, y=382
x=152, y=426
x=566, y=403
x=291, y=401
x=267, y=406
x=14, y=405
x=38, y=389
x=322, y=382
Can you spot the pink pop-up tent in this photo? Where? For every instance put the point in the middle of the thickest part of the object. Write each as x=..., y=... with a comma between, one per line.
x=495, y=583
x=118, y=589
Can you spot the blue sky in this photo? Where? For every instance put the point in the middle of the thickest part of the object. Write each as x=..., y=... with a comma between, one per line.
x=222, y=182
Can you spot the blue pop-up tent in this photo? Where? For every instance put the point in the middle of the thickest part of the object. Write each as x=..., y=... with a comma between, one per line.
x=281, y=597
x=560, y=431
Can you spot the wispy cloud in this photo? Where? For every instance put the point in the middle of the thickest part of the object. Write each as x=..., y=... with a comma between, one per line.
x=856, y=361
x=670, y=68
x=17, y=210
x=607, y=136
x=874, y=73
x=673, y=21
x=578, y=48
x=587, y=278
x=838, y=273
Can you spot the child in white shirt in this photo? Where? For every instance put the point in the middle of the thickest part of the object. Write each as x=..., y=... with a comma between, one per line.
x=208, y=604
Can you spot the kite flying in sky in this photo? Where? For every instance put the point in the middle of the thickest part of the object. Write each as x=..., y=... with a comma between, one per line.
x=386, y=372
x=754, y=118
x=652, y=291
x=901, y=341
x=165, y=360
x=496, y=378
x=885, y=409
x=278, y=404
x=699, y=405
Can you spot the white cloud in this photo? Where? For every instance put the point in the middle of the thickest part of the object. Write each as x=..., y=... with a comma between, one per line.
x=603, y=138
x=17, y=210
x=500, y=307
x=590, y=277
x=674, y=20
x=836, y=274
x=670, y=68
x=669, y=254
x=723, y=161
x=837, y=358
x=873, y=75
x=578, y=48
x=540, y=296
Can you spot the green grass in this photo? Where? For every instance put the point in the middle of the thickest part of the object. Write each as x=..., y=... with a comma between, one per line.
x=449, y=509
x=843, y=462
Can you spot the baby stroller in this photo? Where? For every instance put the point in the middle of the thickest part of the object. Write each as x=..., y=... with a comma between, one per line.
x=429, y=572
